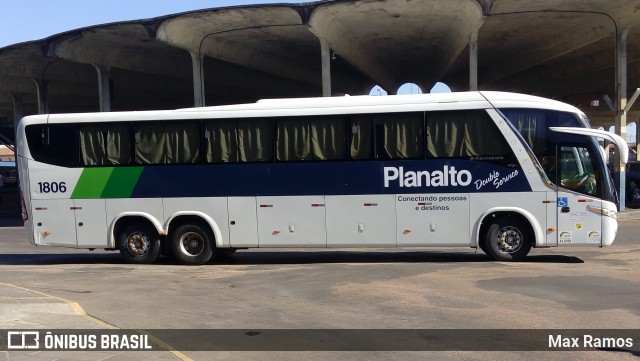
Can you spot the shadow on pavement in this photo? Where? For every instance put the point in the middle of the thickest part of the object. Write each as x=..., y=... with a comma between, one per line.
x=282, y=257
x=252, y=258
x=11, y=222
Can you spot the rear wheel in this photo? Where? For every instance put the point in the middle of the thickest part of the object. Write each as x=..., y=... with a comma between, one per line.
x=508, y=239
x=139, y=243
x=192, y=244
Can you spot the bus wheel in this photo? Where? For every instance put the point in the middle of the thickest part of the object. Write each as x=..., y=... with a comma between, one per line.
x=508, y=239
x=191, y=244
x=139, y=244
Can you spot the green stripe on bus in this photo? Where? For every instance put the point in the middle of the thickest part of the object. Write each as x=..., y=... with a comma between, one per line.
x=91, y=183
x=122, y=182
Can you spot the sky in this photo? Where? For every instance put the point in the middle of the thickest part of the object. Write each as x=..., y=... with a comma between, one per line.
x=26, y=20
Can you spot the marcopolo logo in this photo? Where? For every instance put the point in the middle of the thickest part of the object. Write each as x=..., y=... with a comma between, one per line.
x=448, y=176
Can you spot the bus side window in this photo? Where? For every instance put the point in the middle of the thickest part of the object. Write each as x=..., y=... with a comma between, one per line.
x=167, y=142
x=311, y=138
x=238, y=140
x=399, y=136
x=53, y=144
x=466, y=133
x=361, y=137
x=577, y=172
x=105, y=144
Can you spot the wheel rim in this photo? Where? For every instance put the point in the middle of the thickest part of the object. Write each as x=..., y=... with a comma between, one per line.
x=509, y=239
x=192, y=244
x=138, y=244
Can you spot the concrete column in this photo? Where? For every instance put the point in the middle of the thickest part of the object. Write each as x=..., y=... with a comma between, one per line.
x=18, y=111
x=621, y=103
x=473, y=61
x=41, y=93
x=325, y=54
x=104, y=87
x=198, y=79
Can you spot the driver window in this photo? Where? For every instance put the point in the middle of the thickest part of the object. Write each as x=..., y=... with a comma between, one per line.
x=576, y=170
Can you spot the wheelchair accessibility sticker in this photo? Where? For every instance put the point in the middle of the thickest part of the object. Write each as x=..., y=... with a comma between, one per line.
x=563, y=201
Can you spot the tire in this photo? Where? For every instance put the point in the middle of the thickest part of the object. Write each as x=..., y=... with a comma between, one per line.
x=508, y=239
x=139, y=243
x=192, y=244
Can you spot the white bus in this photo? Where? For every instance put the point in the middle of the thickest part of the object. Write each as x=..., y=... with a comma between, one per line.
x=500, y=171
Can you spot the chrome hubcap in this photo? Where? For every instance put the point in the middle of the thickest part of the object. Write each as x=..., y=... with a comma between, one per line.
x=191, y=244
x=509, y=239
x=138, y=244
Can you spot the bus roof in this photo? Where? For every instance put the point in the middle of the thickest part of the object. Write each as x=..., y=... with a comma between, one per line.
x=327, y=106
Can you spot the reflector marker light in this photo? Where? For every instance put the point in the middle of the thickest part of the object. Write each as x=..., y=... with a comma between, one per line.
x=371, y=204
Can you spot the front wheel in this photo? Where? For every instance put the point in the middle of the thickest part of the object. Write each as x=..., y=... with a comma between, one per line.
x=508, y=239
x=192, y=244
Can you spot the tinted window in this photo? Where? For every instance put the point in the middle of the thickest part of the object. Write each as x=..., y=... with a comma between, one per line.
x=167, y=142
x=533, y=125
x=467, y=133
x=105, y=144
x=399, y=136
x=53, y=144
x=238, y=140
x=311, y=138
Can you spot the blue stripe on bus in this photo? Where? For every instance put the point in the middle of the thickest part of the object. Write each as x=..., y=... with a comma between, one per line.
x=326, y=178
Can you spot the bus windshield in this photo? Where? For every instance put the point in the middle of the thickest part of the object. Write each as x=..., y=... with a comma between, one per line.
x=568, y=161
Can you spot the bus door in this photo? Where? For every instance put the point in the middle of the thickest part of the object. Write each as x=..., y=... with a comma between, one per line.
x=578, y=184
x=90, y=222
x=243, y=222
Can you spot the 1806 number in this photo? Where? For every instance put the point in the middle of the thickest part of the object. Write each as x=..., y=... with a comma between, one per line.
x=52, y=187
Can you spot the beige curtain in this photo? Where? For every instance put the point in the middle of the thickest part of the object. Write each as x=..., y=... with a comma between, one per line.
x=403, y=135
x=361, y=145
x=463, y=133
x=166, y=143
x=222, y=146
x=255, y=140
x=303, y=138
x=242, y=140
x=105, y=144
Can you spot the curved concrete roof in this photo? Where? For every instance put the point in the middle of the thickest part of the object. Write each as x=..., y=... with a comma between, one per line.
x=562, y=49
